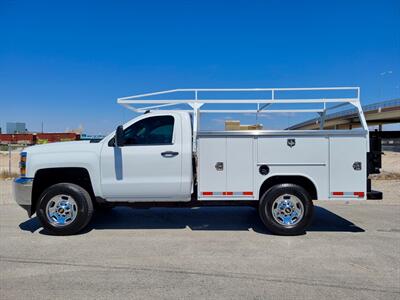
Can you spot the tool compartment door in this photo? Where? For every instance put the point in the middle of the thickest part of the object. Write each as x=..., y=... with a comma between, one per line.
x=348, y=169
x=240, y=167
x=211, y=179
x=235, y=180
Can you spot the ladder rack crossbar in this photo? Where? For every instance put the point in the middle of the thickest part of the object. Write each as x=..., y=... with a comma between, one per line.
x=238, y=101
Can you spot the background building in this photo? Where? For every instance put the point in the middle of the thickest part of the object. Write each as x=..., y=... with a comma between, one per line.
x=15, y=127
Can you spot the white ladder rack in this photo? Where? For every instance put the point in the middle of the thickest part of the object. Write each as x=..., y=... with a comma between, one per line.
x=262, y=105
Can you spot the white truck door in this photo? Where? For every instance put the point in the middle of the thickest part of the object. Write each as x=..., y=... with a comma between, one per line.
x=148, y=167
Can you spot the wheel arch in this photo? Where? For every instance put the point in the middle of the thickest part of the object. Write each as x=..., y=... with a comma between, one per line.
x=47, y=177
x=301, y=180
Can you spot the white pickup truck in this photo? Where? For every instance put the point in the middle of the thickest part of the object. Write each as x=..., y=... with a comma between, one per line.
x=161, y=158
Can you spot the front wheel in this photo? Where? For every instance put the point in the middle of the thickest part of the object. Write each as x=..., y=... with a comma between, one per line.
x=65, y=208
x=286, y=209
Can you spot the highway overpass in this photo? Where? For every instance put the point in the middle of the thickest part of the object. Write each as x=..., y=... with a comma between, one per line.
x=376, y=114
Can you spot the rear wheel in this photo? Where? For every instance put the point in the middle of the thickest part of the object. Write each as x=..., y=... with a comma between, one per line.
x=65, y=208
x=286, y=209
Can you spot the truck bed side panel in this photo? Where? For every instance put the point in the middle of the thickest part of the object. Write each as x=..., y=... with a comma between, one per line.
x=330, y=160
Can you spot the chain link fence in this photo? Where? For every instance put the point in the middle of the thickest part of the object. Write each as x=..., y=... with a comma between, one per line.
x=9, y=160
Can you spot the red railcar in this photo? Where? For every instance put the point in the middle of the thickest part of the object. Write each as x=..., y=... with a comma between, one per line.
x=37, y=138
x=24, y=138
x=43, y=138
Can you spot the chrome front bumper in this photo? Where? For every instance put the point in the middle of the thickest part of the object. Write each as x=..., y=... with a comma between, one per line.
x=22, y=188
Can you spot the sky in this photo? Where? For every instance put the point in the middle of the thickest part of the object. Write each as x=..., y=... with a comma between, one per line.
x=64, y=63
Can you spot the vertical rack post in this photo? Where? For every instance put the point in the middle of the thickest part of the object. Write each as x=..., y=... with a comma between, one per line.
x=322, y=118
x=196, y=119
x=361, y=115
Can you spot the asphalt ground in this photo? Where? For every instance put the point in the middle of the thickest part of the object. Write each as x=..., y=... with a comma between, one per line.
x=352, y=250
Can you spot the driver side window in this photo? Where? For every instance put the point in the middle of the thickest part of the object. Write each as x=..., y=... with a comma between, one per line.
x=156, y=130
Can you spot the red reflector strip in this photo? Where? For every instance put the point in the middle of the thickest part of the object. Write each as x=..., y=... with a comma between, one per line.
x=337, y=193
x=227, y=194
x=348, y=194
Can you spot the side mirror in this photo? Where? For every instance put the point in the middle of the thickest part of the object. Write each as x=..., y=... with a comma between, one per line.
x=119, y=136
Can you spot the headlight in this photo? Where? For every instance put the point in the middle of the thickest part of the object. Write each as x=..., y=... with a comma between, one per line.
x=22, y=164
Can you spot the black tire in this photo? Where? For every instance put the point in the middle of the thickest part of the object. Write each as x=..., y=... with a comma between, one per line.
x=83, y=202
x=266, y=211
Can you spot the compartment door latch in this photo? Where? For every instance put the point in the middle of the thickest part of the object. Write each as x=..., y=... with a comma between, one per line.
x=357, y=166
x=219, y=166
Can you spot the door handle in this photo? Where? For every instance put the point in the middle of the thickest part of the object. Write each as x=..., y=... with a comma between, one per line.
x=169, y=153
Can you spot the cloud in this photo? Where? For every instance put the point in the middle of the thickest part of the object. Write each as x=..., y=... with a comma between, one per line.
x=386, y=72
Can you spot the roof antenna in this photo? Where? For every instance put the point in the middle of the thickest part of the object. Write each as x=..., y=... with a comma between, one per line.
x=147, y=111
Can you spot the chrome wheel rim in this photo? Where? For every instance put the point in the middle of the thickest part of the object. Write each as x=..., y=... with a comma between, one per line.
x=287, y=210
x=61, y=210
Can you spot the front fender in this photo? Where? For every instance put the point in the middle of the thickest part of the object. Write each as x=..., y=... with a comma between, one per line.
x=87, y=160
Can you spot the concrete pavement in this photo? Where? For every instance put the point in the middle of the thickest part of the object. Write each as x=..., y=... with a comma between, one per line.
x=351, y=251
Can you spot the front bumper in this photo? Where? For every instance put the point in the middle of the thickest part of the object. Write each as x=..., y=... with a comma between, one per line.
x=22, y=188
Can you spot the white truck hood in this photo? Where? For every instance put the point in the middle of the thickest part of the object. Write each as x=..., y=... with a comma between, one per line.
x=75, y=146
x=77, y=154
